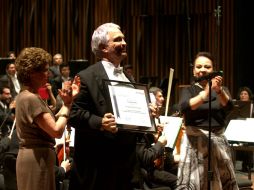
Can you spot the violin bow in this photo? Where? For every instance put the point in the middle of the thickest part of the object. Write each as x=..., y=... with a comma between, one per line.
x=170, y=79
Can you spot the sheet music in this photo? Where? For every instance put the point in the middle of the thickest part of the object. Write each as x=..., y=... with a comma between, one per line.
x=171, y=129
x=72, y=137
x=240, y=130
x=62, y=139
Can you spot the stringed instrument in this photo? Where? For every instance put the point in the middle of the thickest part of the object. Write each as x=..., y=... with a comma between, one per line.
x=159, y=162
x=63, y=150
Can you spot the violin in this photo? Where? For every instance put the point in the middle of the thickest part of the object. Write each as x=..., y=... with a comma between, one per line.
x=63, y=150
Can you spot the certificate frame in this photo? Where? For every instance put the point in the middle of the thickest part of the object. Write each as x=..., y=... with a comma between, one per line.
x=132, y=113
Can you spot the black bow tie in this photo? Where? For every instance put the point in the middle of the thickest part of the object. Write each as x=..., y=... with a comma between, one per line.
x=118, y=70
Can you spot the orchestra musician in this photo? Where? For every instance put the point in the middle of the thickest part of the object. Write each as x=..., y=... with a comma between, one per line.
x=150, y=151
x=245, y=94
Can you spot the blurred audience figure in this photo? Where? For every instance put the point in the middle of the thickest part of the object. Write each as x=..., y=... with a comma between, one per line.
x=55, y=68
x=10, y=79
x=129, y=71
x=58, y=82
x=7, y=108
x=11, y=55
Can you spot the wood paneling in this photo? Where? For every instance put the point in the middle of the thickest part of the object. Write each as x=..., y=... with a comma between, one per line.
x=161, y=34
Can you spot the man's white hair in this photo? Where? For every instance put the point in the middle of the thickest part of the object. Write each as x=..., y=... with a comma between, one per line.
x=100, y=36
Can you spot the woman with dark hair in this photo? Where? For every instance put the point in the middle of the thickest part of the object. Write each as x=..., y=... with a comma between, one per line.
x=194, y=105
x=245, y=94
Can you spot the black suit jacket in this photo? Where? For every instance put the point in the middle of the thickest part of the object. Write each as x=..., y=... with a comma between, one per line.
x=6, y=120
x=57, y=84
x=147, y=154
x=102, y=160
x=6, y=80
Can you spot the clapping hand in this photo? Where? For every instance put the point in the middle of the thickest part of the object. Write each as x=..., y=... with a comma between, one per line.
x=70, y=90
x=75, y=86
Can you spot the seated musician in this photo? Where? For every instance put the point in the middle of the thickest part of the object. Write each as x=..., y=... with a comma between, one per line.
x=150, y=152
x=171, y=156
x=245, y=94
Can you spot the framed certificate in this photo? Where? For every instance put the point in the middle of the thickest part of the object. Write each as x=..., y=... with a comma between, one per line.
x=130, y=103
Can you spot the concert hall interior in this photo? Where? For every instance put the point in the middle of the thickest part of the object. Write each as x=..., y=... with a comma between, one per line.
x=161, y=36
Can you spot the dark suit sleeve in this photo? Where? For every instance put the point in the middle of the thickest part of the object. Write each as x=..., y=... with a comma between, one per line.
x=87, y=108
x=4, y=144
x=7, y=117
x=59, y=173
x=147, y=153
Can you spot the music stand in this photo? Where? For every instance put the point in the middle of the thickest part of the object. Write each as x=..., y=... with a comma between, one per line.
x=77, y=65
x=209, y=172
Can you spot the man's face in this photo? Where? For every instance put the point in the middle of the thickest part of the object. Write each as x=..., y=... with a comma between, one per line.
x=116, y=47
x=6, y=96
x=129, y=71
x=159, y=98
x=11, y=70
x=65, y=71
x=12, y=56
x=58, y=59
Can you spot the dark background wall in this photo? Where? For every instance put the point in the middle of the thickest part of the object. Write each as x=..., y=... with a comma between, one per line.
x=244, y=41
x=161, y=34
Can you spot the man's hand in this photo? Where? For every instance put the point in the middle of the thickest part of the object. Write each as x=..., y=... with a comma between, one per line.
x=109, y=123
x=155, y=112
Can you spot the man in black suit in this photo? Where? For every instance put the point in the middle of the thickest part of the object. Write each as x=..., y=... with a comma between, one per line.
x=55, y=68
x=7, y=107
x=4, y=146
x=9, y=161
x=104, y=156
x=10, y=79
x=57, y=82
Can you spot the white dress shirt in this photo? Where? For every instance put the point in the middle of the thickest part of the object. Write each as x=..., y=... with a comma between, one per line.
x=15, y=83
x=109, y=67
